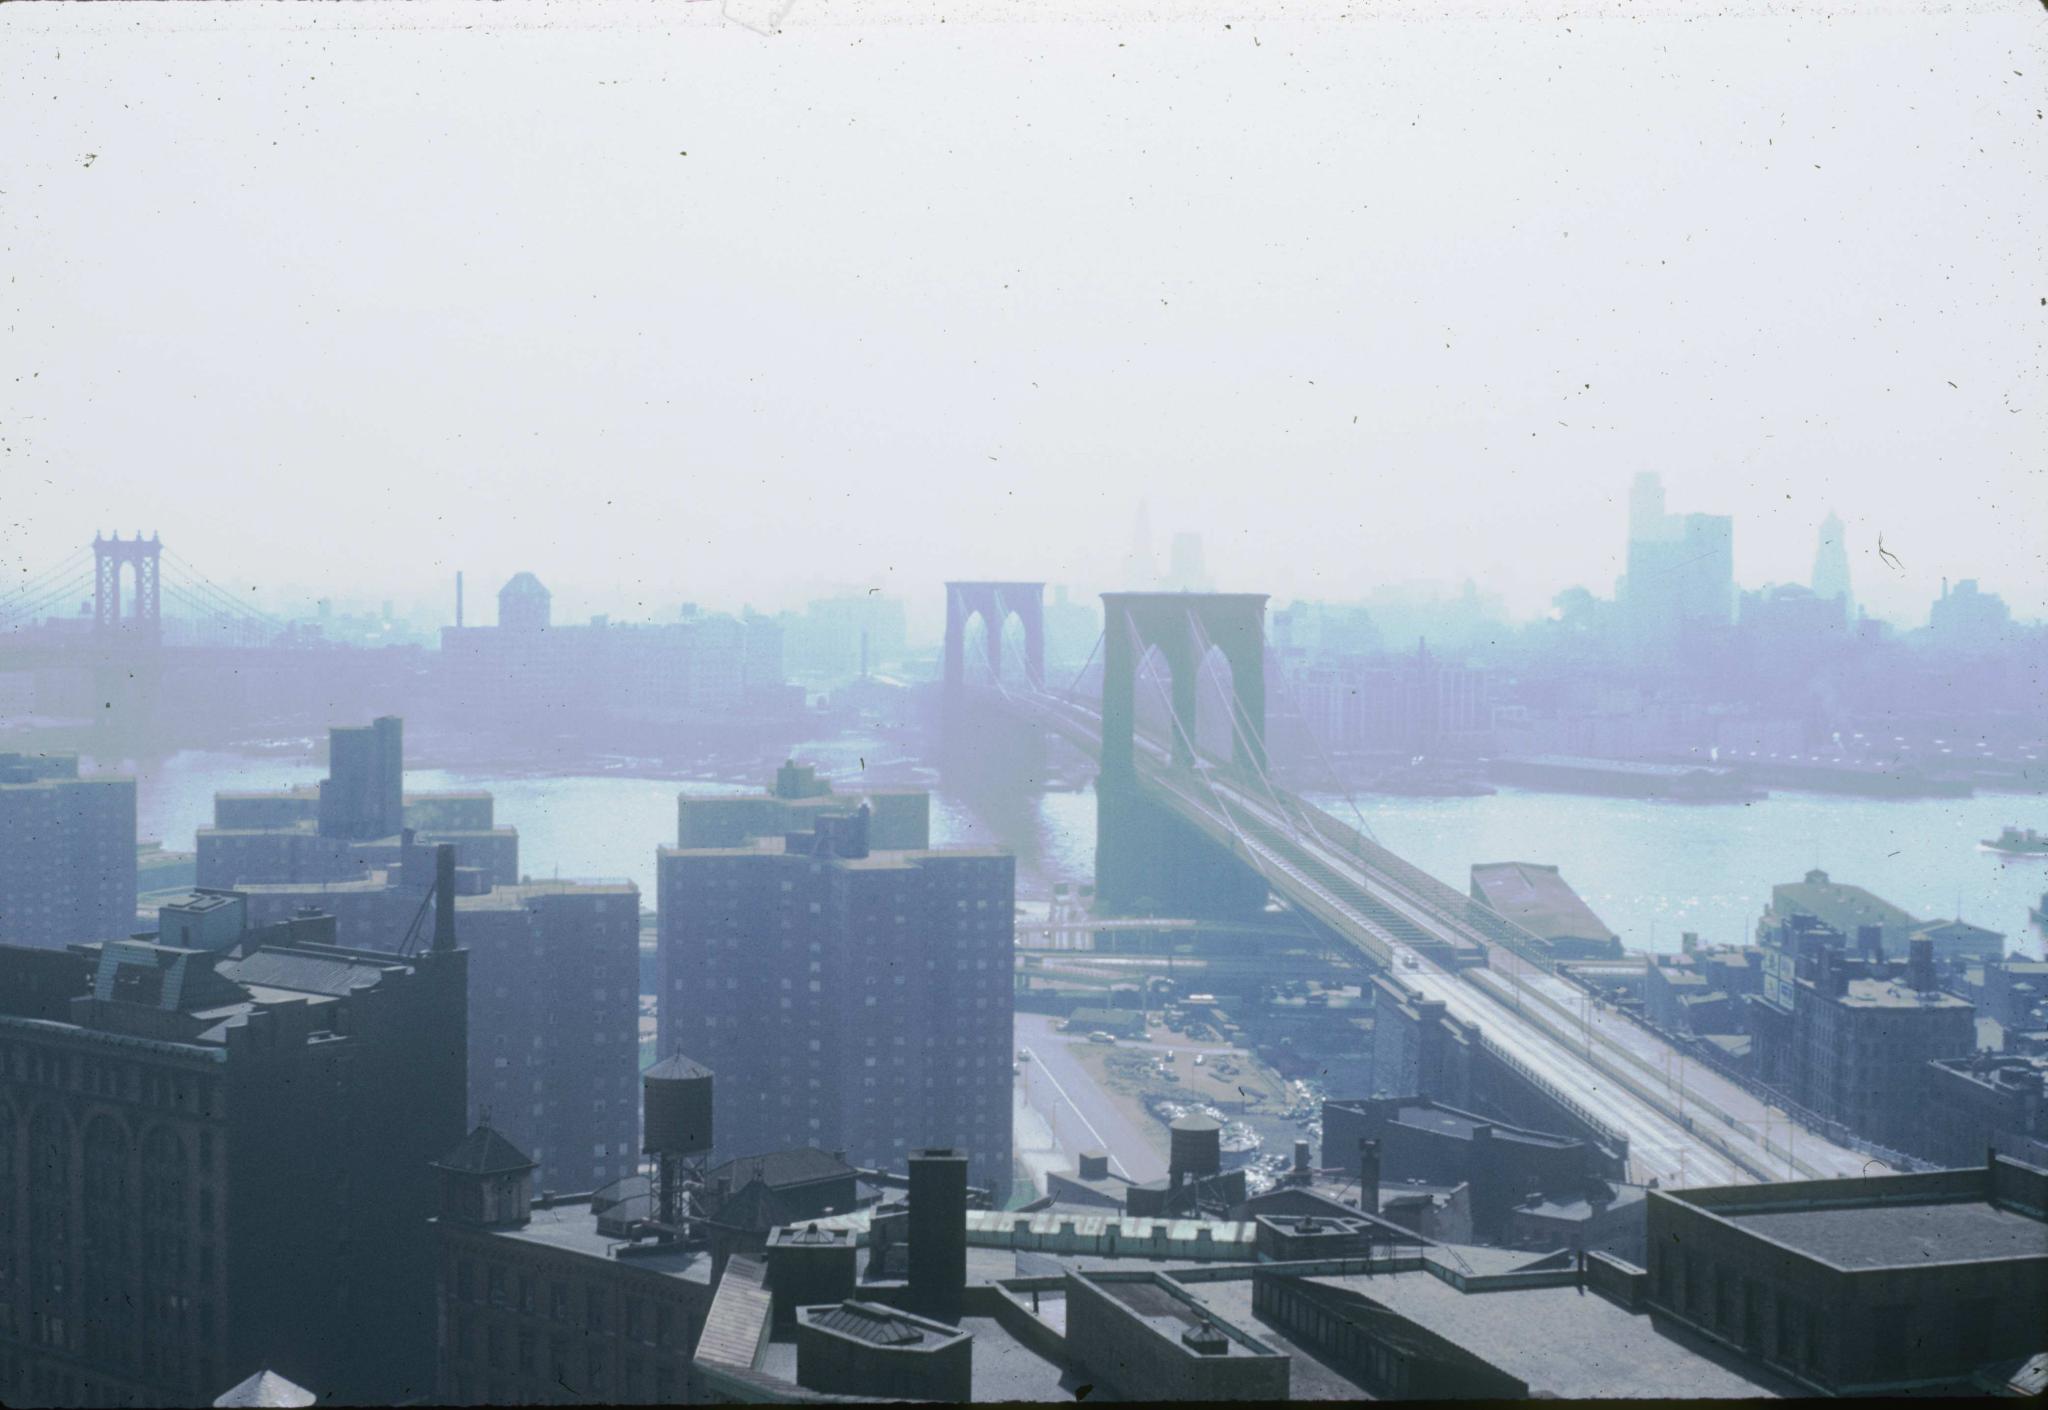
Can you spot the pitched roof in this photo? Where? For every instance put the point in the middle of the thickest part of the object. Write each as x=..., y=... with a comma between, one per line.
x=484, y=1152
x=267, y=1388
x=676, y=1069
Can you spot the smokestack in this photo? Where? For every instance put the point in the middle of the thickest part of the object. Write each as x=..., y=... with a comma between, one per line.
x=458, y=597
x=938, y=1234
x=1369, y=1177
x=444, y=897
x=1870, y=942
x=1920, y=964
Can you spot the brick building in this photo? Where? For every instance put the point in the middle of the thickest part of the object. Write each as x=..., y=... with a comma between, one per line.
x=558, y=1301
x=1982, y=1103
x=215, y=1163
x=1885, y=1284
x=861, y=998
x=1851, y=1040
x=67, y=852
x=554, y=965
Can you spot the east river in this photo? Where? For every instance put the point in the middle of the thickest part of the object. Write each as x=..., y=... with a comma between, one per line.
x=1651, y=870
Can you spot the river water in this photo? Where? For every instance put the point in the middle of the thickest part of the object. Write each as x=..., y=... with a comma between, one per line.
x=1651, y=870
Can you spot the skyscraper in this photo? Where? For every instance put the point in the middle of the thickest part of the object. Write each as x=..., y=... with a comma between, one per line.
x=1831, y=566
x=1681, y=572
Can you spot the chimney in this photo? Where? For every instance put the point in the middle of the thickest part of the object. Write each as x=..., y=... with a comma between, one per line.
x=1301, y=1169
x=1689, y=941
x=1870, y=942
x=1369, y=1177
x=444, y=897
x=1834, y=973
x=938, y=1234
x=1920, y=964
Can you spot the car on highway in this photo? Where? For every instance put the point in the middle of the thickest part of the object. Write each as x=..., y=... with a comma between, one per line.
x=1098, y=1036
x=1201, y=1059
x=1023, y=1054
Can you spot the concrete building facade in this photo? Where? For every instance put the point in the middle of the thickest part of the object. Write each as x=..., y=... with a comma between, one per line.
x=67, y=852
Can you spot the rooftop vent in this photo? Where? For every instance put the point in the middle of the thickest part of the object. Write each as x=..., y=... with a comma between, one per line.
x=1205, y=1338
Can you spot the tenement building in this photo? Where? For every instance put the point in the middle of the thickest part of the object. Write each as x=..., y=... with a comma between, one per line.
x=862, y=995
x=67, y=852
x=1852, y=1040
x=564, y=1299
x=216, y=1163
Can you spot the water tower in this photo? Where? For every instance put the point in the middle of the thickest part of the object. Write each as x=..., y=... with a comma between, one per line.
x=676, y=1117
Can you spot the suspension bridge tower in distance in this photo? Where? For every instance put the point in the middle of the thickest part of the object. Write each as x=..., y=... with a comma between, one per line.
x=128, y=636
x=995, y=646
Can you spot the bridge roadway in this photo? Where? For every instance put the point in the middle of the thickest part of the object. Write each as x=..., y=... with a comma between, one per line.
x=1685, y=1123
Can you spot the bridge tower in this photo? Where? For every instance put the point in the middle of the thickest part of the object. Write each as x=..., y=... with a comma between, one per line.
x=127, y=665
x=109, y=557
x=989, y=751
x=1146, y=858
x=993, y=603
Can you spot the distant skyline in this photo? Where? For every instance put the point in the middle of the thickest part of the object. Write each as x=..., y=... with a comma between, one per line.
x=706, y=315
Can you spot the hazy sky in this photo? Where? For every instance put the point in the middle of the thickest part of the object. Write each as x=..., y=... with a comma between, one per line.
x=342, y=298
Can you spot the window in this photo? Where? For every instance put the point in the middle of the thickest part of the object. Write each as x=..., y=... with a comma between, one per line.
x=558, y=1300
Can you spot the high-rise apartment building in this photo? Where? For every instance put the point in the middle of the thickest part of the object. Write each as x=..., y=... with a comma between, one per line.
x=850, y=998
x=67, y=852
x=554, y=1050
x=363, y=796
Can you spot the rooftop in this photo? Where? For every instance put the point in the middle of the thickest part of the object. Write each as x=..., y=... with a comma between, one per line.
x=1892, y=993
x=1875, y=1235
x=779, y=1169
x=877, y=1325
x=1539, y=899
x=1841, y=906
x=570, y=1226
x=1560, y=1340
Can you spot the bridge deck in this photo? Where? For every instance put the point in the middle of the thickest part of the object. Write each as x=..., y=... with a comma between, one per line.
x=1685, y=1123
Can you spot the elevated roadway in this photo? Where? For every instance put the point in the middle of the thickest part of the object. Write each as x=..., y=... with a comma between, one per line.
x=1685, y=1124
